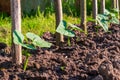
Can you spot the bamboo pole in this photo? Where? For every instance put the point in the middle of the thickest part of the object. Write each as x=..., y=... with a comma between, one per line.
x=102, y=5
x=16, y=25
x=95, y=10
x=59, y=17
x=83, y=11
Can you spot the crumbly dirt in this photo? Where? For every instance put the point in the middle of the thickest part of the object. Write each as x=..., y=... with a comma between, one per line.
x=95, y=56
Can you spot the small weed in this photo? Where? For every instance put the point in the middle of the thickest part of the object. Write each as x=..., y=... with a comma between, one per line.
x=62, y=68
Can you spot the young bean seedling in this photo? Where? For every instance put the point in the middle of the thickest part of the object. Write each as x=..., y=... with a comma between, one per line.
x=32, y=43
x=105, y=19
x=67, y=30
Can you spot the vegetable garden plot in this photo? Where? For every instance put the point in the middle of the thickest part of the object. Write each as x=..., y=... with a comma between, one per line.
x=90, y=53
x=89, y=57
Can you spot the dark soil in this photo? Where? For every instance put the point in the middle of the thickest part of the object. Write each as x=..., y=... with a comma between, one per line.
x=95, y=56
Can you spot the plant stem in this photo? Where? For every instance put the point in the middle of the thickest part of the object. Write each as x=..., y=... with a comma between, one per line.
x=25, y=64
x=69, y=44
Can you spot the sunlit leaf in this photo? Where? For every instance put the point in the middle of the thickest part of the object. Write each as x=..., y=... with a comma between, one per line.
x=102, y=16
x=32, y=36
x=115, y=10
x=62, y=29
x=106, y=12
x=18, y=37
x=28, y=46
x=37, y=41
x=74, y=27
x=105, y=19
x=114, y=20
x=103, y=24
x=112, y=15
x=41, y=43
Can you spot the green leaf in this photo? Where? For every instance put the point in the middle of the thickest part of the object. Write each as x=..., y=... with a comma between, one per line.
x=102, y=16
x=103, y=24
x=114, y=20
x=105, y=19
x=37, y=41
x=28, y=46
x=115, y=10
x=41, y=43
x=106, y=12
x=32, y=36
x=74, y=27
x=112, y=15
x=18, y=37
x=62, y=29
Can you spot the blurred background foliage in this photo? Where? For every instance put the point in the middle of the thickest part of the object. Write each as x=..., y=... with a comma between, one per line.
x=72, y=7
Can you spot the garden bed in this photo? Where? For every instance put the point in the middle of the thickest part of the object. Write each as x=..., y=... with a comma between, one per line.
x=95, y=56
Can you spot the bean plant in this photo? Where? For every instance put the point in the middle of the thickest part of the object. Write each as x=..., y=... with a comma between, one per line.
x=67, y=29
x=108, y=17
x=33, y=41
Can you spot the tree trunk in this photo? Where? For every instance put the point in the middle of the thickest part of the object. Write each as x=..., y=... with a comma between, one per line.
x=83, y=11
x=59, y=17
x=16, y=25
x=95, y=10
x=102, y=6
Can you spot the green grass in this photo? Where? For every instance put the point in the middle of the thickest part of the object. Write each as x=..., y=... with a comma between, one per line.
x=5, y=29
x=37, y=24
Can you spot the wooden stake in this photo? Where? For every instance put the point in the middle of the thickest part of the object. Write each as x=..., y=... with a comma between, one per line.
x=16, y=25
x=117, y=6
x=102, y=6
x=59, y=17
x=83, y=11
x=114, y=3
x=95, y=10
